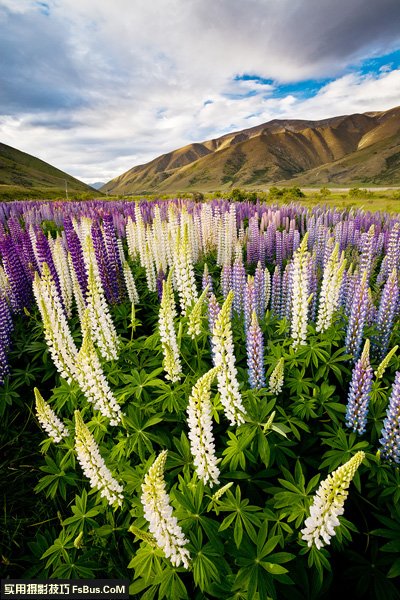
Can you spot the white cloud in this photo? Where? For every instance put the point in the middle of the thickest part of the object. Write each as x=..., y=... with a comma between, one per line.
x=114, y=84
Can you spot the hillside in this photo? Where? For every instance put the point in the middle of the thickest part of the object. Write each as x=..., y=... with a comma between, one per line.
x=345, y=150
x=24, y=175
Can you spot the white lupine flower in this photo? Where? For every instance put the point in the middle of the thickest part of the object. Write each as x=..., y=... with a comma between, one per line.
x=103, y=330
x=330, y=289
x=91, y=379
x=171, y=363
x=56, y=331
x=223, y=350
x=200, y=429
x=130, y=284
x=276, y=378
x=184, y=271
x=48, y=419
x=60, y=260
x=328, y=503
x=195, y=316
x=77, y=291
x=93, y=464
x=300, y=294
x=158, y=512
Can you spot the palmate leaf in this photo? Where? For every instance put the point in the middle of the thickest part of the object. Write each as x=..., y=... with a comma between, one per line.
x=243, y=516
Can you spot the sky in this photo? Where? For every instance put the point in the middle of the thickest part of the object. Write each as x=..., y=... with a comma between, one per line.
x=95, y=87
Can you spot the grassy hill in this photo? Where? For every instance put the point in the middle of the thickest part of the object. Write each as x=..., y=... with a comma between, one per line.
x=347, y=150
x=24, y=176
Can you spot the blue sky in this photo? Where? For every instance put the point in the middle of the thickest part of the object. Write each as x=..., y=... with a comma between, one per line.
x=96, y=87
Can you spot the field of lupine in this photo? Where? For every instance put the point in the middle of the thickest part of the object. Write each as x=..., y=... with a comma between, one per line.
x=207, y=397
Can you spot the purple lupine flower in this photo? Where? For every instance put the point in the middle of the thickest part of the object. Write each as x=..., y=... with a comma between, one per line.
x=75, y=250
x=226, y=280
x=160, y=278
x=357, y=318
x=6, y=326
x=113, y=254
x=286, y=293
x=359, y=393
x=386, y=315
x=255, y=354
x=107, y=272
x=238, y=285
x=278, y=248
x=390, y=440
x=20, y=286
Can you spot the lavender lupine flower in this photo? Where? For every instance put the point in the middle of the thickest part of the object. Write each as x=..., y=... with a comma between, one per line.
x=207, y=280
x=359, y=393
x=20, y=287
x=328, y=503
x=386, y=315
x=255, y=354
x=249, y=302
x=200, y=434
x=106, y=271
x=357, y=318
x=158, y=512
x=390, y=440
x=300, y=294
x=171, y=363
x=228, y=385
x=113, y=254
x=93, y=464
x=238, y=285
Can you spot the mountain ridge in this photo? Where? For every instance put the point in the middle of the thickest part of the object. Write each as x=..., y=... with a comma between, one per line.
x=281, y=151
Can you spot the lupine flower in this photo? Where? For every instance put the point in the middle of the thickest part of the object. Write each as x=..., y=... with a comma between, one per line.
x=195, y=315
x=276, y=292
x=300, y=294
x=171, y=363
x=6, y=327
x=60, y=260
x=103, y=330
x=276, y=377
x=130, y=284
x=359, y=393
x=48, y=419
x=390, y=440
x=226, y=280
x=386, y=314
x=158, y=512
x=56, y=331
x=228, y=385
x=255, y=354
x=200, y=429
x=330, y=289
x=91, y=378
x=207, y=280
x=357, y=318
x=384, y=363
x=328, y=503
x=238, y=285
x=93, y=465
x=249, y=303
x=160, y=278
x=259, y=291
x=184, y=272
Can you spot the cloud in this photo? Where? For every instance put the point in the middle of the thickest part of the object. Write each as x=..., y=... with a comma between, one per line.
x=96, y=87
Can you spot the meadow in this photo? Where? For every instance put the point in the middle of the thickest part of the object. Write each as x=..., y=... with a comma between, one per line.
x=201, y=397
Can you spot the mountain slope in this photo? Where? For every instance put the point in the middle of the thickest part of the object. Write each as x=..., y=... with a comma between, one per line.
x=346, y=150
x=24, y=172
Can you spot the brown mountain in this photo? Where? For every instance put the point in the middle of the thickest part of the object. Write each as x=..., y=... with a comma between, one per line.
x=346, y=150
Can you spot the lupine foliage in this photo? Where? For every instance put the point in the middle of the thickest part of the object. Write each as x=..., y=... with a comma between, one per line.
x=187, y=385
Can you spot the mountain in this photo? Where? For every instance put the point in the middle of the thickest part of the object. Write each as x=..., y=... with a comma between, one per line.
x=97, y=185
x=23, y=175
x=346, y=150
